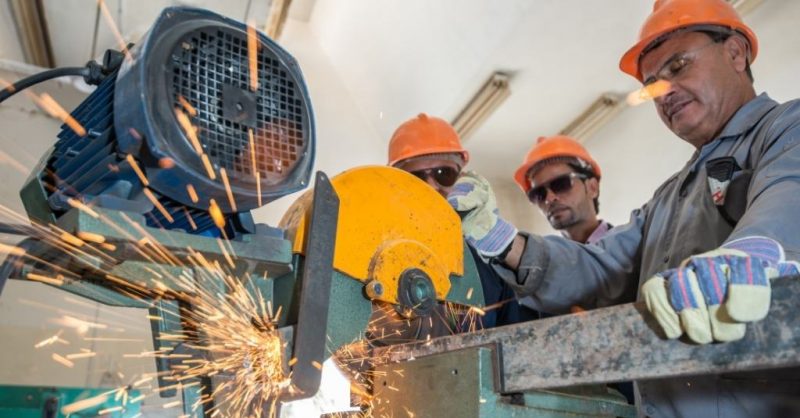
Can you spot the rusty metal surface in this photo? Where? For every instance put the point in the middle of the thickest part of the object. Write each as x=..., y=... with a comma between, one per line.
x=622, y=343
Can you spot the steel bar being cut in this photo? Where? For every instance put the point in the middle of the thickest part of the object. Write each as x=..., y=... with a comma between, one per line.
x=619, y=343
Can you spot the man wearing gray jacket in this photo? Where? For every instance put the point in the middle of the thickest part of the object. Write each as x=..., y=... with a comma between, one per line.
x=701, y=252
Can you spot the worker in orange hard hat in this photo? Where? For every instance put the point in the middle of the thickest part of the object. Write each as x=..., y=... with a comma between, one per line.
x=681, y=36
x=563, y=181
x=429, y=148
x=702, y=251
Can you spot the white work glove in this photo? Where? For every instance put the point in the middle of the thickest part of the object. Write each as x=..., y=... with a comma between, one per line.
x=472, y=197
x=711, y=296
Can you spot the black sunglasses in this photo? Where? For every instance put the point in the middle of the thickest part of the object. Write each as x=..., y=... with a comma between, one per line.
x=558, y=185
x=444, y=175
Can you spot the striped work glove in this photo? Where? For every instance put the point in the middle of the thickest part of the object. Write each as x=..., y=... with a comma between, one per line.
x=472, y=197
x=711, y=296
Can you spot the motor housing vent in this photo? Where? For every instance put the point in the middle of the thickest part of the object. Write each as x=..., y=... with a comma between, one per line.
x=198, y=65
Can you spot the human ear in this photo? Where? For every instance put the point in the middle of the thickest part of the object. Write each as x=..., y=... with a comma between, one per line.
x=737, y=49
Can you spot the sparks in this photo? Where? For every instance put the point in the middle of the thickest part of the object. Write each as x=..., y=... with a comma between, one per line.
x=187, y=106
x=189, y=130
x=252, y=55
x=46, y=102
x=209, y=168
x=224, y=174
x=113, y=26
x=154, y=200
x=59, y=359
x=648, y=92
x=192, y=193
x=216, y=214
x=135, y=166
x=55, y=281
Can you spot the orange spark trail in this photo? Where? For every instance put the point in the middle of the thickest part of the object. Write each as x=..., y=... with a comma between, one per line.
x=224, y=174
x=192, y=193
x=55, y=110
x=137, y=170
x=158, y=205
x=208, y=166
x=252, y=55
x=189, y=129
x=113, y=26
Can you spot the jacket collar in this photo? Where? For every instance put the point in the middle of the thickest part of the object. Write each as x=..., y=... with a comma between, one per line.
x=748, y=116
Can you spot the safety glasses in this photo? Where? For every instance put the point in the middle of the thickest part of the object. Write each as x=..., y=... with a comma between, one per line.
x=677, y=65
x=559, y=185
x=444, y=175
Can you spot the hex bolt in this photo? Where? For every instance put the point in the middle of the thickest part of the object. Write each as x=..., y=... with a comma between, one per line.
x=374, y=289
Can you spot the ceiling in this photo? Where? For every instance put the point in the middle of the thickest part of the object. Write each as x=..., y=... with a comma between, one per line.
x=399, y=58
x=418, y=56
x=79, y=31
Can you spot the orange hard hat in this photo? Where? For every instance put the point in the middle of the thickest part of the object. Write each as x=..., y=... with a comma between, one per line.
x=547, y=148
x=424, y=135
x=671, y=15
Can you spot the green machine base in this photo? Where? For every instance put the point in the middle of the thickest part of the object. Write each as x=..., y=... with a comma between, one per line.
x=462, y=384
x=59, y=402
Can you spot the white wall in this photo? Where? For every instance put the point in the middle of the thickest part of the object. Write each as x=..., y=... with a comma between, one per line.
x=26, y=133
x=32, y=312
x=345, y=138
x=401, y=58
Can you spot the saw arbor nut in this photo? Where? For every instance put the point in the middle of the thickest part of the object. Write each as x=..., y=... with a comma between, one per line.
x=416, y=294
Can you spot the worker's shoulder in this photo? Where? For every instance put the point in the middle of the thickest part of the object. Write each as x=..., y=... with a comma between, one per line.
x=780, y=125
x=783, y=115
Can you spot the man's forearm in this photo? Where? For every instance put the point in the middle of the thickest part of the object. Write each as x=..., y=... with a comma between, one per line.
x=512, y=259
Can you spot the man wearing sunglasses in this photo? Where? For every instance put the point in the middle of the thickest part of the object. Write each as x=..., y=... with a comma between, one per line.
x=702, y=251
x=563, y=181
x=429, y=148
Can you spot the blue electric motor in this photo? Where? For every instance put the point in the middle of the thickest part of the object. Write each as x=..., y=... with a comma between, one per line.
x=184, y=111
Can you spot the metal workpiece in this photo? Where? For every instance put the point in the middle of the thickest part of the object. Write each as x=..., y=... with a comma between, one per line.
x=617, y=344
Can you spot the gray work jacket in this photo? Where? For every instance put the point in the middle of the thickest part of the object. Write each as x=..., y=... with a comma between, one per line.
x=679, y=221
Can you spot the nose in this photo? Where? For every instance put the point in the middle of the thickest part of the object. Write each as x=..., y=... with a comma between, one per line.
x=662, y=91
x=550, y=198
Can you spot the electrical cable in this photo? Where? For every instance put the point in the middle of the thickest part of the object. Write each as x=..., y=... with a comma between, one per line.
x=40, y=77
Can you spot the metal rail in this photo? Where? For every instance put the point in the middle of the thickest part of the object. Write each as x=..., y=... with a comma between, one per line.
x=620, y=343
